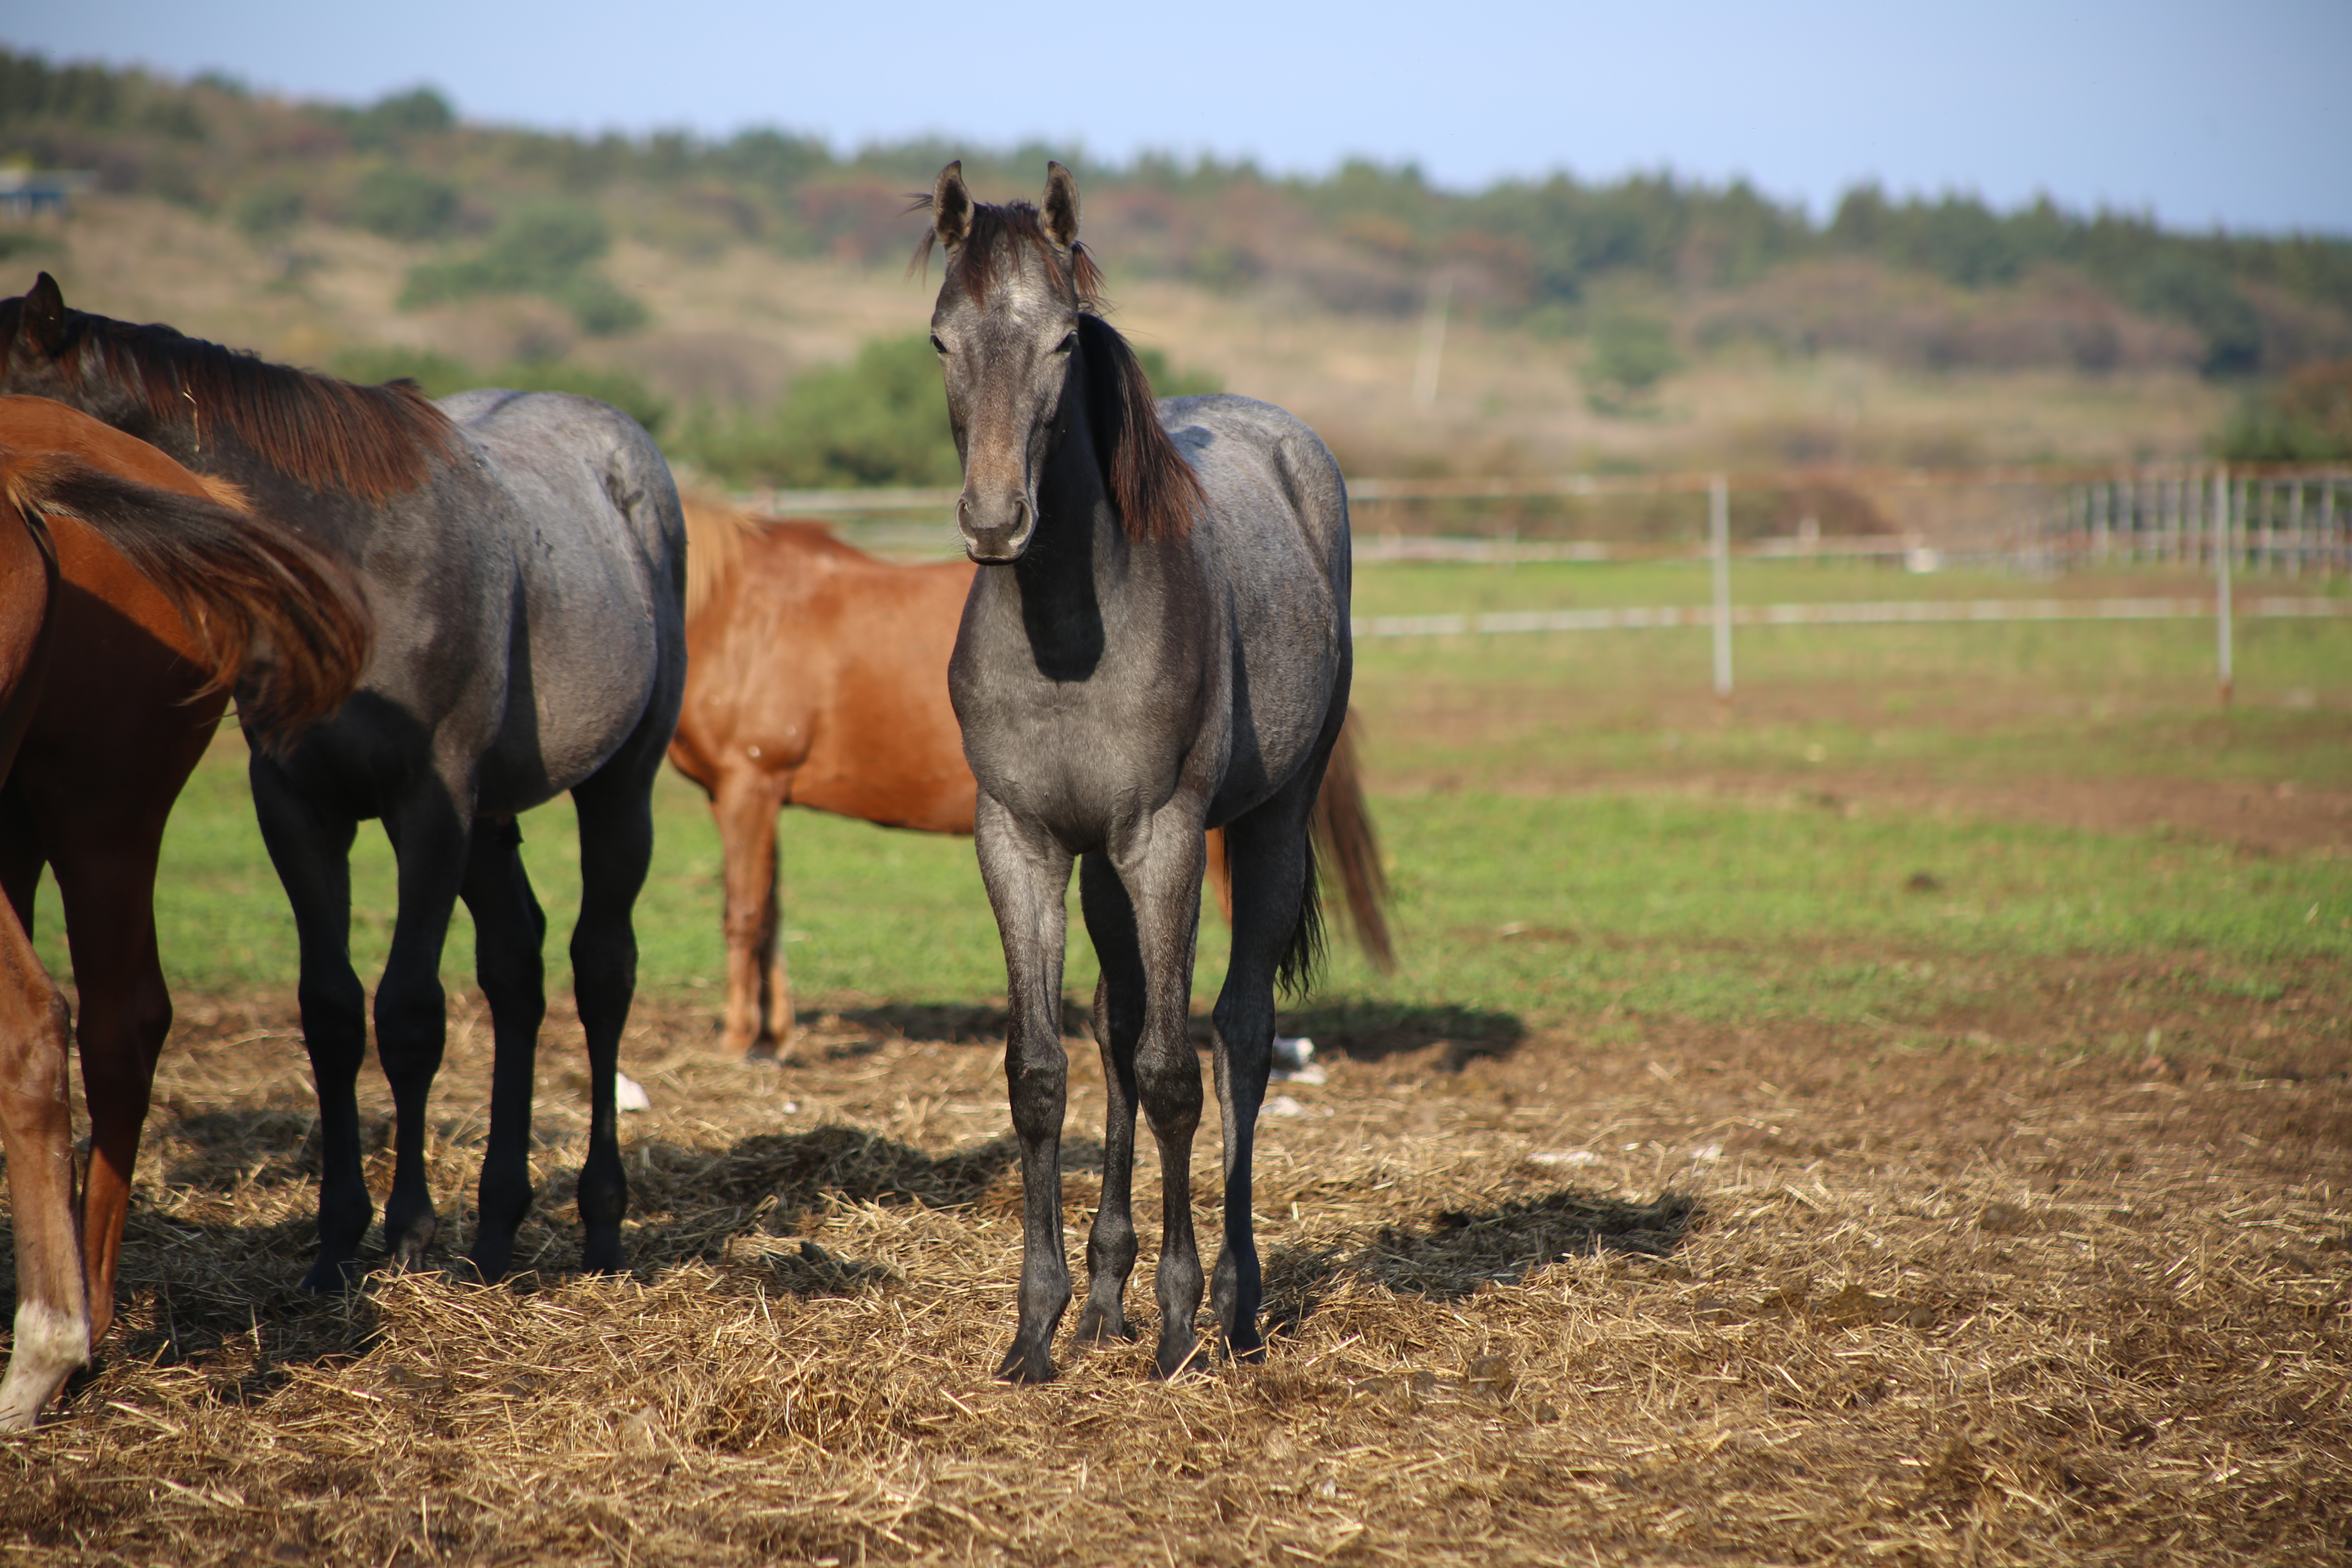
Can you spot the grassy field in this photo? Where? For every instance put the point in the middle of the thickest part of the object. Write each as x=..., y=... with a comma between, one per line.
x=1906, y=1117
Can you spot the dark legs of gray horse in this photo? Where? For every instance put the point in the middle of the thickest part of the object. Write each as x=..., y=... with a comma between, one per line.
x=509, y=933
x=430, y=837
x=616, y=847
x=1027, y=875
x=1268, y=855
x=310, y=846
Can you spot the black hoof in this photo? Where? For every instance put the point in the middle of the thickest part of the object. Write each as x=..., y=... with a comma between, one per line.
x=1026, y=1363
x=602, y=1255
x=331, y=1276
x=1097, y=1327
x=484, y=1265
x=1176, y=1355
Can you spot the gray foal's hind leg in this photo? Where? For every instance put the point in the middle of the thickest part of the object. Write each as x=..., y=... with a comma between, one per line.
x=310, y=847
x=509, y=933
x=1269, y=858
x=1027, y=875
x=1118, y=1022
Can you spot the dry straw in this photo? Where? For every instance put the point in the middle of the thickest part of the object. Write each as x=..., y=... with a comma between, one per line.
x=1976, y=1307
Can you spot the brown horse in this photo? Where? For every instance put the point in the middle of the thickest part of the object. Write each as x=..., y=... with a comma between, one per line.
x=816, y=676
x=155, y=593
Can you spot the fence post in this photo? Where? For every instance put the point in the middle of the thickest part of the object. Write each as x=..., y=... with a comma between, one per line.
x=1718, y=520
x=2221, y=579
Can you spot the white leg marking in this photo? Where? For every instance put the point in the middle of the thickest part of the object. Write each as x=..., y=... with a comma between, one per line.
x=50, y=1347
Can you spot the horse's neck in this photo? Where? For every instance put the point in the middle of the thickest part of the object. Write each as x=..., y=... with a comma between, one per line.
x=336, y=520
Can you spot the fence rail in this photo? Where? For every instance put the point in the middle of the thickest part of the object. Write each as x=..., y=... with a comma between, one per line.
x=1897, y=612
x=2285, y=520
x=2294, y=519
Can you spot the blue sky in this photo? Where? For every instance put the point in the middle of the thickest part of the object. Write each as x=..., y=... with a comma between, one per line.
x=2235, y=115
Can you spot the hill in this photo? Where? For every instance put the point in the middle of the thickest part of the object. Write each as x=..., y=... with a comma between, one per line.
x=1652, y=322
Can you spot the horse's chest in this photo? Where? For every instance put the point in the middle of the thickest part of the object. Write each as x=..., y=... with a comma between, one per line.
x=1071, y=756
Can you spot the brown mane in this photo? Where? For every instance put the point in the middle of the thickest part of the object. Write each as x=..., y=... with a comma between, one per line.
x=715, y=533
x=374, y=442
x=1156, y=491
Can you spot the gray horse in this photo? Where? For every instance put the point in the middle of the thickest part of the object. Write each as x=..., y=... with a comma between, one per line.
x=1156, y=643
x=525, y=560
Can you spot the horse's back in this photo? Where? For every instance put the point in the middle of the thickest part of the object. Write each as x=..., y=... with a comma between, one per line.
x=1261, y=465
x=1274, y=539
x=585, y=510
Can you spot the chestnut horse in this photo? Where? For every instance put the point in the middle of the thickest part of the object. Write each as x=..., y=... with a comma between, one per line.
x=156, y=592
x=816, y=676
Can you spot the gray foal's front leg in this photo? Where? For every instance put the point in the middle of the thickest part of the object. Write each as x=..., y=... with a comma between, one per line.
x=1118, y=1022
x=1161, y=868
x=1027, y=874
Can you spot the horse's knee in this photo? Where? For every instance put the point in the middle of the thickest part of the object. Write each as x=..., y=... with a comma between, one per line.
x=1168, y=1085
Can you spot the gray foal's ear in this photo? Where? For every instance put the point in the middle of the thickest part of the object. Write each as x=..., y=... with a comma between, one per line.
x=951, y=206
x=1061, y=206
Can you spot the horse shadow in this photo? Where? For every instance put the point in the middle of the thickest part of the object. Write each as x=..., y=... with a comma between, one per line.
x=1369, y=1031
x=1457, y=1251
x=952, y=1023
x=223, y=1294
x=1361, y=1030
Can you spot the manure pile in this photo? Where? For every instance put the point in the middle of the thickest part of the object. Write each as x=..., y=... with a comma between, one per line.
x=1725, y=1296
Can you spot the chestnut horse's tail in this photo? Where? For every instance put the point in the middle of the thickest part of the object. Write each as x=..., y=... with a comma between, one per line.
x=24, y=695
x=268, y=610
x=1349, y=849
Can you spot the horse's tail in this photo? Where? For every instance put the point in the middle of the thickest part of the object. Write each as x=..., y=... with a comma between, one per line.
x=1344, y=839
x=18, y=704
x=714, y=546
x=268, y=610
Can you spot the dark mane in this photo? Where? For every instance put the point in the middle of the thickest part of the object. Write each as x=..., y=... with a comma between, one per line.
x=1155, y=489
x=374, y=442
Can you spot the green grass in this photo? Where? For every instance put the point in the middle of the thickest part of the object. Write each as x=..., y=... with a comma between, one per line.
x=1986, y=704
x=1538, y=909
x=1548, y=908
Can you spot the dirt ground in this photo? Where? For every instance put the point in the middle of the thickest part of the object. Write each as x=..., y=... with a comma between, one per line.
x=1636, y=1292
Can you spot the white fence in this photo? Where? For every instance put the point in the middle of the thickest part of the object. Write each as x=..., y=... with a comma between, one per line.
x=2295, y=523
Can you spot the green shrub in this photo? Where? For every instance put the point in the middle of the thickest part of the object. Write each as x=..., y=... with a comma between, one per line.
x=1627, y=357
x=1167, y=381
x=548, y=249
x=270, y=209
x=2306, y=418
x=401, y=204
x=439, y=375
x=880, y=420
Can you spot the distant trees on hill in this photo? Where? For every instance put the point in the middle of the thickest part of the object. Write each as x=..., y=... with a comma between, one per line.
x=1965, y=284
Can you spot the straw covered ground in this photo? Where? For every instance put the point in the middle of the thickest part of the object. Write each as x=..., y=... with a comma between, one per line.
x=1654, y=1292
